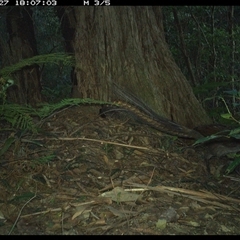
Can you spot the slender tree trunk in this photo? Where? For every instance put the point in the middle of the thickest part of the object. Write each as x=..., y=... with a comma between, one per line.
x=232, y=44
x=67, y=18
x=183, y=46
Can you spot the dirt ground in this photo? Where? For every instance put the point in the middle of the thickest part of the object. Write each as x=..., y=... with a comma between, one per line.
x=84, y=174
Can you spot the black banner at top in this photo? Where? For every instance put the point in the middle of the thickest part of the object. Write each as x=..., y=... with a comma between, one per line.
x=96, y=3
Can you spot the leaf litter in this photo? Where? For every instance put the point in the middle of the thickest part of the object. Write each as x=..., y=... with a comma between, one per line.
x=112, y=176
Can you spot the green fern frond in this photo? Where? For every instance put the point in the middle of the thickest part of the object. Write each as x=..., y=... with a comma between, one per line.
x=18, y=116
x=21, y=116
x=56, y=58
x=48, y=109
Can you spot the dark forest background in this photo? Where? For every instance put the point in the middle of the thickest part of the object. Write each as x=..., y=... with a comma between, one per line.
x=204, y=41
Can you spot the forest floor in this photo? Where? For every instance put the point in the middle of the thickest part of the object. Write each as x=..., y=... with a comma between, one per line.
x=84, y=174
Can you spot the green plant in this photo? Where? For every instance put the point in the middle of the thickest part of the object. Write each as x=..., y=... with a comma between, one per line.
x=231, y=134
x=20, y=117
x=4, y=85
x=54, y=58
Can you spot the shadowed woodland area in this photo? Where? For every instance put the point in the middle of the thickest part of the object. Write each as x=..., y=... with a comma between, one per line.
x=128, y=126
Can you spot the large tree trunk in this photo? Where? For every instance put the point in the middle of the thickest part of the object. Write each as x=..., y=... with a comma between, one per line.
x=126, y=45
x=21, y=45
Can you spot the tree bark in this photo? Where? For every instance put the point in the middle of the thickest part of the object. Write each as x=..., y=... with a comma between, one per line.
x=20, y=45
x=126, y=46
